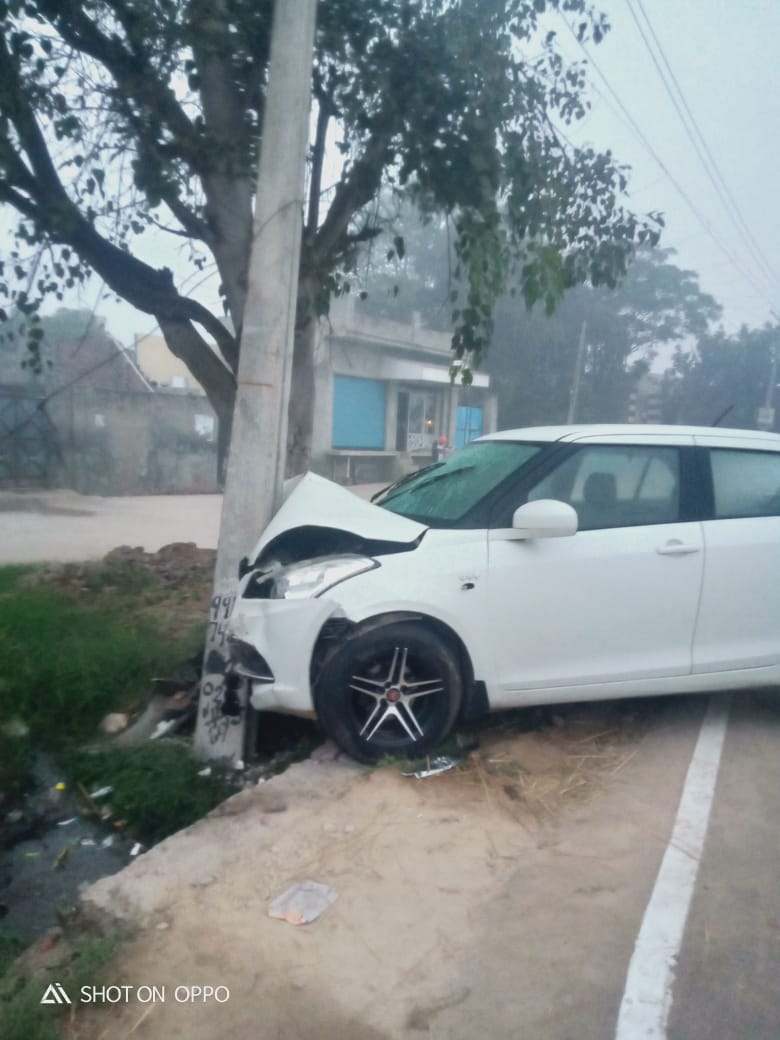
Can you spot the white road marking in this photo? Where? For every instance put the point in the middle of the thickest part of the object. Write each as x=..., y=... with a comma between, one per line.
x=647, y=998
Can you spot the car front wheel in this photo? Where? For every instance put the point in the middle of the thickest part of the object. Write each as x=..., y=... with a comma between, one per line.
x=394, y=690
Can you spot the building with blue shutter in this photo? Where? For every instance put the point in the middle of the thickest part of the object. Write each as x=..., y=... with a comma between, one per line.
x=384, y=396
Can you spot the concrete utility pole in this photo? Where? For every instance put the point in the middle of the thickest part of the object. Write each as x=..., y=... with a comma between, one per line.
x=259, y=439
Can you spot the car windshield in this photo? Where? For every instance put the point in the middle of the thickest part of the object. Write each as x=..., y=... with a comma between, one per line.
x=444, y=493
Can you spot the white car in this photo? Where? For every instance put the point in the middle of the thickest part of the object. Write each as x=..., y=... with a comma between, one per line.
x=533, y=566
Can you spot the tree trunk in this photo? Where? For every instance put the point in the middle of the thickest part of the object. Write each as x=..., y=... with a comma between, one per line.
x=300, y=415
x=186, y=343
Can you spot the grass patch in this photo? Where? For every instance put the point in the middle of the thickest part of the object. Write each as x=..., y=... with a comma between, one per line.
x=10, y=948
x=70, y=655
x=23, y=1017
x=156, y=787
x=78, y=642
x=9, y=576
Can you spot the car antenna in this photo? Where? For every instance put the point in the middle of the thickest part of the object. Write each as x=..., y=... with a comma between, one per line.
x=723, y=415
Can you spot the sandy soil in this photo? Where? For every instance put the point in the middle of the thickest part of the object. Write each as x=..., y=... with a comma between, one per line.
x=38, y=526
x=447, y=890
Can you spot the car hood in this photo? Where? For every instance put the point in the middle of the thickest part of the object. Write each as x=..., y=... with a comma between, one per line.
x=319, y=518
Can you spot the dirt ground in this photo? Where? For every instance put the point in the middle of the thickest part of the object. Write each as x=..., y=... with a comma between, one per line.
x=37, y=526
x=418, y=867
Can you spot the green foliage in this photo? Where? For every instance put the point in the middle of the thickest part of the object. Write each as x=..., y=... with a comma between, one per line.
x=156, y=787
x=65, y=666
x=154, y=112
x=23, y=1017
x=724, y=377
x=10, y=948
x=533, y=356
x=72, y=651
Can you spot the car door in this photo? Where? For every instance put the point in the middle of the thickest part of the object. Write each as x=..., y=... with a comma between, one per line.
x=739, y=619
x=617, y=601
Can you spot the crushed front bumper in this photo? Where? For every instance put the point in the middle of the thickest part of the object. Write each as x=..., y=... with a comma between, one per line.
x=271, y=644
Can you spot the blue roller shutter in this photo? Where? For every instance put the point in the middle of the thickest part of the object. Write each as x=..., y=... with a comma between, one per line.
x=358, y=413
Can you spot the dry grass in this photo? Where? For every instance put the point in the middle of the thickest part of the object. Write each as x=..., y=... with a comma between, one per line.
x=543, y=772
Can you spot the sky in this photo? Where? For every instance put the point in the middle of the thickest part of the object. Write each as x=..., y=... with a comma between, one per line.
x=724, y=56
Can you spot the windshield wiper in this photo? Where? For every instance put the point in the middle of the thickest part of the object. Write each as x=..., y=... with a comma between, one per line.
x=443, y=476
x=404, y=480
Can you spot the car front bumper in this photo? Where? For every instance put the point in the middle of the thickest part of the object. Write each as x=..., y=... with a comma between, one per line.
x=282, y=633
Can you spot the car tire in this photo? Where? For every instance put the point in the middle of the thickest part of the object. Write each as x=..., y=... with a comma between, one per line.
x=390, y=691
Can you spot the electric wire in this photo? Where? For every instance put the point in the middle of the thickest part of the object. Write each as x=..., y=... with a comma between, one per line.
x=637, y=130
x=699, y=143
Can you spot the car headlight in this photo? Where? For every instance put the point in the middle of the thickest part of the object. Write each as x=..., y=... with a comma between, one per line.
x=311, y=578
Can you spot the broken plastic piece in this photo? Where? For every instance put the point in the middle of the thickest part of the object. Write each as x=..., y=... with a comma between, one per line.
x=136, y=849
x=87, y=841
x=205, y=772
x=101, y=792
x=435, y=766
x=302, y=903
x=164, y=727
x=66, y=823
x=106, y=843
x=60, y=786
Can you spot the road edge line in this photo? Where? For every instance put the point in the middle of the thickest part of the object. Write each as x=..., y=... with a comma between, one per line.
x=647, y=998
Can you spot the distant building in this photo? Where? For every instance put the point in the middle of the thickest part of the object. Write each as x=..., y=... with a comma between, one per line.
x=72, y=352
x=162, y=368
x=384, y=395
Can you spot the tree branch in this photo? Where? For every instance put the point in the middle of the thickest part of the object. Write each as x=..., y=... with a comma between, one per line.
x=135, y=76
x=324, y=112
x=353, y=192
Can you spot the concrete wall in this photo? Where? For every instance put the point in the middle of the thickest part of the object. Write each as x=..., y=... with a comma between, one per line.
x=117, y=442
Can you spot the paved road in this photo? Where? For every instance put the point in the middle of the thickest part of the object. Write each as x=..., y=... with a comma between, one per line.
x=728, y=978
x=552, y=960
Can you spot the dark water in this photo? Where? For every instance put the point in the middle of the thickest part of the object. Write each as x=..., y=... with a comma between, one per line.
x=44, y=871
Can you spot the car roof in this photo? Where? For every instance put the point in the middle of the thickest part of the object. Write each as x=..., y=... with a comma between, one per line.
x=637, y=431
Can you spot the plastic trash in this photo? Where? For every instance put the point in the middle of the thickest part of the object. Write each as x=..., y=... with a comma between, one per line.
x=106, y=843
x=101, y=792
x=164, y=727
x=436, y=766
x=205, y=772
x=137, y=849
x=302, y=903
x=67, y=823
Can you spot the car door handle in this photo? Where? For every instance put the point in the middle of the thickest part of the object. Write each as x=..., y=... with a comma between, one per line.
x=677, y=548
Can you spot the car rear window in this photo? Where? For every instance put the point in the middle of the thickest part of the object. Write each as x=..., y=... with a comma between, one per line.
x=444, y=493
x=746, y=483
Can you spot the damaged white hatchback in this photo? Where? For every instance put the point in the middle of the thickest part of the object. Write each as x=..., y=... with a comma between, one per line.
x=531, y=567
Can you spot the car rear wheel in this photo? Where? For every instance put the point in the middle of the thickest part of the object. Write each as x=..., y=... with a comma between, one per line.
x=394, y=690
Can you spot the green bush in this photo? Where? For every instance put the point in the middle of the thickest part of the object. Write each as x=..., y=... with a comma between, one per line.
x=23, y=1017
x=156, y=786
x=65, y=663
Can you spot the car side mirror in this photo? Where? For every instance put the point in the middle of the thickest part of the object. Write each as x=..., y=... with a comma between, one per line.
x=544, y=518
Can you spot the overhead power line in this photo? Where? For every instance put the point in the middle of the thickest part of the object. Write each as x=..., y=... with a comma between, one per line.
x=625, y=114
x=696, y=137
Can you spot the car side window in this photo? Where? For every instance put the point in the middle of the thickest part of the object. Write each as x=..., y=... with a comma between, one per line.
x=745, y=483
x=616, y=485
